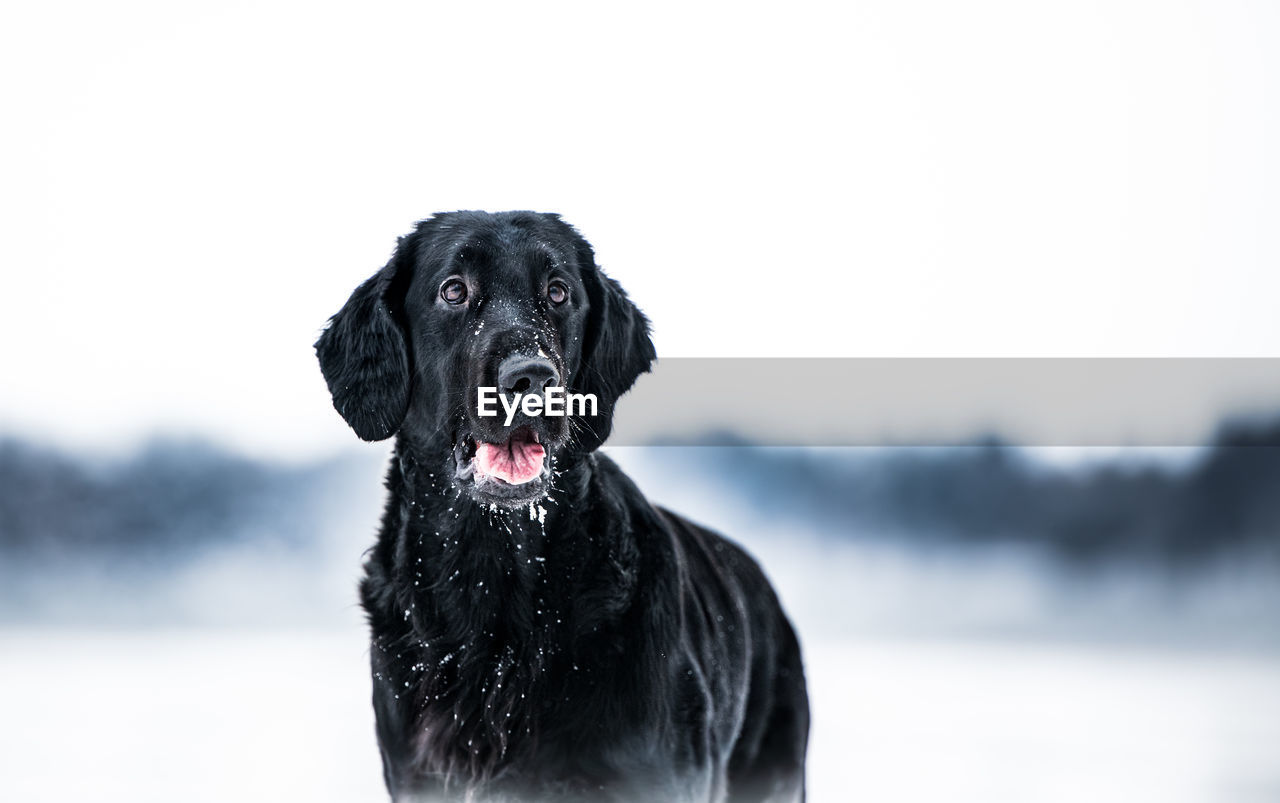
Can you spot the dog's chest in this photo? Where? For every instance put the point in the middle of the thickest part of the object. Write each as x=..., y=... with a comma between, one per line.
x=483, y=709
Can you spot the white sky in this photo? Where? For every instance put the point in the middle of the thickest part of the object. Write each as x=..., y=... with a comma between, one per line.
x=189, y=191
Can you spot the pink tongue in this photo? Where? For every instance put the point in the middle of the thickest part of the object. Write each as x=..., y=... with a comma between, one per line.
x=515, y=462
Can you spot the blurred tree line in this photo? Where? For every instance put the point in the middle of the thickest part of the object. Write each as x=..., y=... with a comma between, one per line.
x=160, y=503
x=1226, y=500
x=156, y=505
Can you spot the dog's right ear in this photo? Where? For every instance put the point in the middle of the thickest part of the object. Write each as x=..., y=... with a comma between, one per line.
x=363, y=352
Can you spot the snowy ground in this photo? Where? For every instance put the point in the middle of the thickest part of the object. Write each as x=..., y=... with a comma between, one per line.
x=218, y=715
x=936, y=674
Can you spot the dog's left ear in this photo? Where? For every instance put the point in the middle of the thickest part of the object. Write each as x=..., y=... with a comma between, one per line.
x=364, y=355
x=616, y=348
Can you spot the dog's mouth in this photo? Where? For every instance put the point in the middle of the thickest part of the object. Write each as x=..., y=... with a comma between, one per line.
x=516, y=461
x=511, y=471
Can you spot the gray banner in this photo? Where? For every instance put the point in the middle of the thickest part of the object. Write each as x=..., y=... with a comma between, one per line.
x=938, y=402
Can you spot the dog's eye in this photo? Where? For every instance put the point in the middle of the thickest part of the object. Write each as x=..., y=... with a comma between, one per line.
x=557, y=293
x=454, y=291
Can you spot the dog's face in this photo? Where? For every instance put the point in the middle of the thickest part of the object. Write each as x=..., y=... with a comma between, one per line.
x=512, y=301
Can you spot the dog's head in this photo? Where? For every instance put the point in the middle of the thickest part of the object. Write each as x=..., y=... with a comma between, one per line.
x=512, y=301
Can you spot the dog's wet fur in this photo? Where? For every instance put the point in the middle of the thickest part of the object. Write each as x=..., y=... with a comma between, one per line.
x=561, y=638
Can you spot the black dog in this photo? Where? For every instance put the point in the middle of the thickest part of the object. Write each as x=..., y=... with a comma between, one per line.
x=540, y=630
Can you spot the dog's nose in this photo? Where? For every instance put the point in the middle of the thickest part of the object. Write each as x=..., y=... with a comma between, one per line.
x=520, y=373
